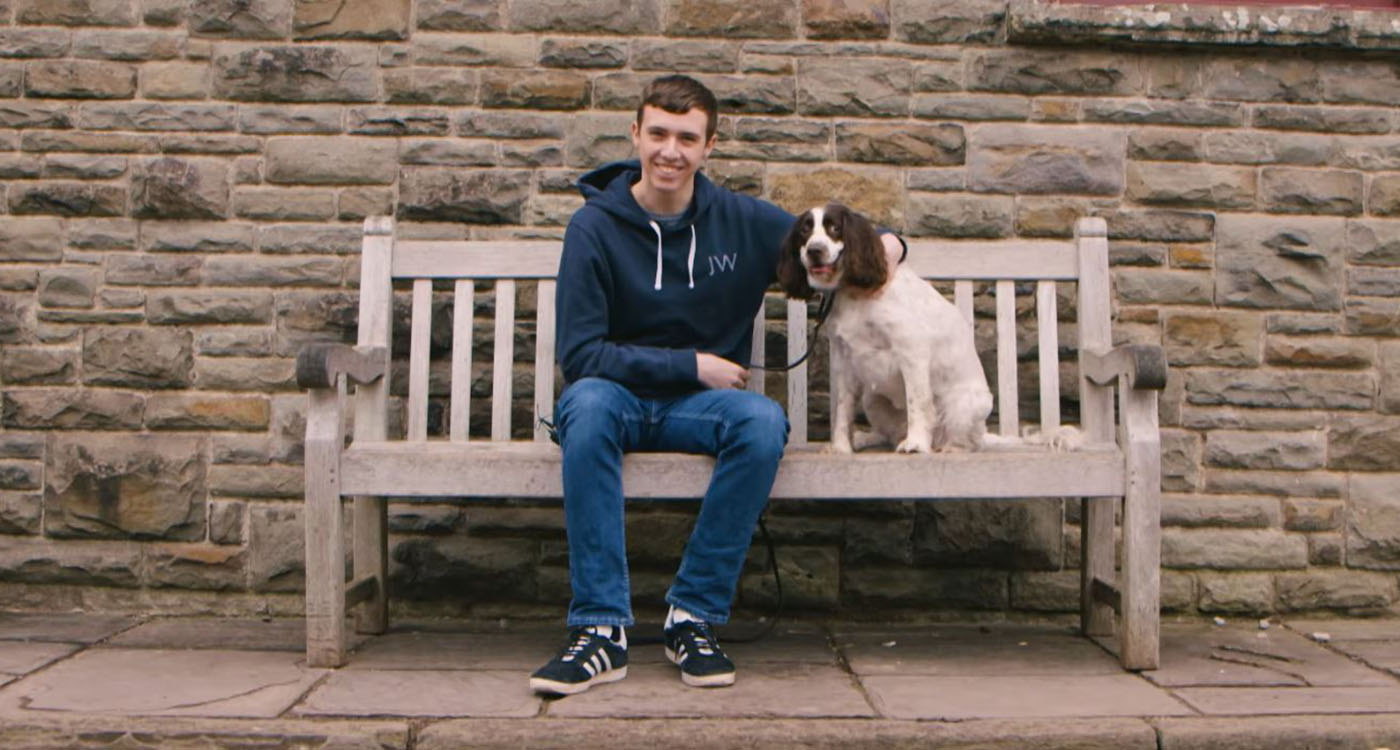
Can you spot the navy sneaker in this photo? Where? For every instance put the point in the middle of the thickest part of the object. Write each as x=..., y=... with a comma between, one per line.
x=585, y=660
x=691, y=645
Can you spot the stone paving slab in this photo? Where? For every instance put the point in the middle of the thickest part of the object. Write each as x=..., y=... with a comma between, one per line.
x=1380, y=629
x=995, y=696
x=282, y=634
x=768, y=690
x=1297, y=700
x=1373, y=732
x=423, y=693
x=1243, y=655
x=1004, y=653
x=69, y=732
x=784, y=734
x=22, y=657
x=1376, y=654
x=74, y=627
x=521, y=652
x=169, y=683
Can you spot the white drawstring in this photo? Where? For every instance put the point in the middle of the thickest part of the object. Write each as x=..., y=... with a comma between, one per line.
x=657, y=228
x=690, y=262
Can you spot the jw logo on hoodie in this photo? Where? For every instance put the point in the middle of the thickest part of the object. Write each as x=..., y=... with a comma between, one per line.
x=722, y=263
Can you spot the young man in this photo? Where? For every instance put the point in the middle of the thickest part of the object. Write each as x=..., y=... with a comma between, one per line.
x=661, y=276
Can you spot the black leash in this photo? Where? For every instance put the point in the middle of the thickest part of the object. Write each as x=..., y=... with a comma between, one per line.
x=823, y=311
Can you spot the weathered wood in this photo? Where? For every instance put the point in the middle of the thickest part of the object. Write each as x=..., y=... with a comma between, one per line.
x=463, y=310
x=797, y=376
x=1048, y=344
x=325, y=545
x=371, y=530
x=528, y=469
x=502, y=378
x=1096, y=419
x=361, y=590
x=418, y=351
x=1106, y=593
x=1142, y=540
x=1008, y=403
x=962, y=299
x=318, y=365
x=544, y=358
x=1137, y=365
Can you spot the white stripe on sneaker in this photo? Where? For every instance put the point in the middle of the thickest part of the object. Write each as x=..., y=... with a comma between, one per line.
x=607, y=662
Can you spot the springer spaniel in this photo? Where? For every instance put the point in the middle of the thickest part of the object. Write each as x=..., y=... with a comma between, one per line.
x=900, y=349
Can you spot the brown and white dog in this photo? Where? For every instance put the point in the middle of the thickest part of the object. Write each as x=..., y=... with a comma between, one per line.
x=898, y=347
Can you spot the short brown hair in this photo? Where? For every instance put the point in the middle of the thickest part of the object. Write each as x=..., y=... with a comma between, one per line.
x=679, y=94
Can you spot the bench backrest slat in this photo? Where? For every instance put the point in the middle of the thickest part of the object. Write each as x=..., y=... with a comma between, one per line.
x=459, y=411
x=420, y=348
x=502, y=366
x=504, y=263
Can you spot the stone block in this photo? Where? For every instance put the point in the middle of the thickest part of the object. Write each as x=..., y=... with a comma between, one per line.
x=20, y=513
x=732, y=19
x=705, y=56
x=164, y=12
x=455, y=152
x=1360, y=82
x=310, y=239
x=226, y=521
x=1390, y=377
x=1318, y=351
x=1150, y=286
x=430, y=86
x=180, y=188
x=459, y=15
x=954, y=215
x=541, y=89
x=1353, y=121
x=1165, y=144
x=444, y=194
x=947, y=22
x=1275, y=483
x=217, y=145
x=276, y=547
x=281, y=204
x=357, y=203
x=1326, y=549
x=250, y=374
x=622, y=17
x=1040, y=159
x=872, y=192
x=839, y=19
x=938, y=76
x=1373, y=522
x=148, y=270
x=1292, y=451
x=811, y=580
x=31, y=239
x=199, y=412
x=1311, y=191
x=311, y=73
x=1363, y=443
x=1244, y=549
x=910, y=588
x=175, y=80
x=67, y=286
x=514, y=125
x=240, y=19
x=38, y=365
x=67, y=409
x=1374, y=282
x=21, y=475
x=200, y=566
x=125, y=486
x=1335, y=589
x=1236, y=593
x=860, y=87
x=1221, y=339
x=1372, y=317
x=366, y=19
x=587, y=53
x=38, y=114
x=901, y=144
x=316, y=160
x=1383, y=198
x=1288, y=262
x=256, y=481
x=495, y=50
x=1191, y=185
x=137, y=357
x=1035, y=71
x=1249, y=147
x=1226, y=511
x=1020, y=535
x=180, y=308
x=873, y=542
x=594, y=140
x=76, y=12
x=1139, y=112
x=1281, y=390
x=301, y=120
x=68, y=199
x=27, y=43
x=982, y=107
x=1252, y=79
x=80, y=79
x=155, y=116
x=273, y=272
x=502, y=569
x=1306, y=514
x=84, y=167
x=91, y=564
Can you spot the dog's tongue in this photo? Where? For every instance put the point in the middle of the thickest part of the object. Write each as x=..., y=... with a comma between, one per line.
x=821, y=269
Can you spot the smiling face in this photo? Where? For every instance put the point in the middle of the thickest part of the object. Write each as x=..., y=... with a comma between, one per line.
x=672, y=148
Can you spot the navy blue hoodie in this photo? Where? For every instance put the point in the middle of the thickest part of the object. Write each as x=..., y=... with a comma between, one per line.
x=635, y=301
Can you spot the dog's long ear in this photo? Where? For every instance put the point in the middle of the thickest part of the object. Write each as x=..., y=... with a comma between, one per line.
x=864, y=254
x=792, y=275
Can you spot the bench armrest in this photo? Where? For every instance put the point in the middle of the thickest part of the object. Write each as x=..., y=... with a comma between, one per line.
x=1136, y=365
x=318, y=365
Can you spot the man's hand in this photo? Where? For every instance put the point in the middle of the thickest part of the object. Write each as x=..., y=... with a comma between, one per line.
x=718, y=372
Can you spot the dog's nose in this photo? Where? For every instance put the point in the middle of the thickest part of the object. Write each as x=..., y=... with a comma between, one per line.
x=816, y=251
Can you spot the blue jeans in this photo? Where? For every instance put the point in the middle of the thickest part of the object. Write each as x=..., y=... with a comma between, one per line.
x=598, y=421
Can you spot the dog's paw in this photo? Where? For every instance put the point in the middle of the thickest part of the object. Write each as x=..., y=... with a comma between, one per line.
x=913, y=445
x=839, y=448
x=867, y=439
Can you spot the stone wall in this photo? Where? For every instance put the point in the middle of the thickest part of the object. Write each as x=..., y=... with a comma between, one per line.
x=183, y=183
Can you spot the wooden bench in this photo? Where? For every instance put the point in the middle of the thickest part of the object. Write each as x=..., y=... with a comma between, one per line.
x=1120, y=459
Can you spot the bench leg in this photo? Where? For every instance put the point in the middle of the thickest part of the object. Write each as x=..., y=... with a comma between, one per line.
x=1096, y=561
x=325, y=541
x=1142, y=530
x=372, y=560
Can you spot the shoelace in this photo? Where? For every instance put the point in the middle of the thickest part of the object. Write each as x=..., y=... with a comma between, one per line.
x=702, y=638
x=580, y=642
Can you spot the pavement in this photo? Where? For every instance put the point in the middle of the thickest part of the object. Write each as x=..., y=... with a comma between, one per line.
x=72, y=680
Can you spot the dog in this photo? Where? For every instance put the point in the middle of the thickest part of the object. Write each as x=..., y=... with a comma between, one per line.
x=899, y=349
